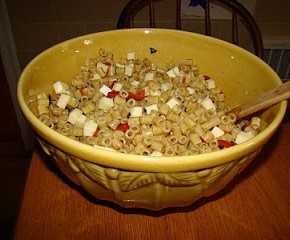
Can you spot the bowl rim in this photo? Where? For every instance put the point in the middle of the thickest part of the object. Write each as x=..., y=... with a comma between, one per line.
x=134, y=162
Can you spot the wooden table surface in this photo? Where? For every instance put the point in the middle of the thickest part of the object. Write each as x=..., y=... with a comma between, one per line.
x=255, y=205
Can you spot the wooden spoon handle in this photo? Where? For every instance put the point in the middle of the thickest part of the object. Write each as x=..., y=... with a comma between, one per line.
x=267, y=99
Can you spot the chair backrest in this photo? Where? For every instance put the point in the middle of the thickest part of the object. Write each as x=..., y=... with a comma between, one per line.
x=239, y=16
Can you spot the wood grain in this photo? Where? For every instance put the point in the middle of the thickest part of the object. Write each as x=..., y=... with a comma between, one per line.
x=256, y=205
x=265, y=100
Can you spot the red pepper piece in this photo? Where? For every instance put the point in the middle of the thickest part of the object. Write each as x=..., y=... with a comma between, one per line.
x=96, y=132
x=137, y=96
x=183, y=79
x=123, y=127
x=247, y=123
x=113, y=83
x=107, y=63
x=112, y=94
x=82, y=90
x=206, y=77
x=225, y=144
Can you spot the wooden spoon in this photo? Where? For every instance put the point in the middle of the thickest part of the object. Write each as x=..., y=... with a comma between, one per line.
x=267, y=99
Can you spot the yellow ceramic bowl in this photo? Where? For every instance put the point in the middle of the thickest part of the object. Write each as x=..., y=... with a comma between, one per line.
x=144, y=181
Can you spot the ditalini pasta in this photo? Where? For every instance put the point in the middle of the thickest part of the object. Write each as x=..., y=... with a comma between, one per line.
x=133, y=106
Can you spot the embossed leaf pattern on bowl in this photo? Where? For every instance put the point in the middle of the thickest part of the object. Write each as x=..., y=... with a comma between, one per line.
x=113, y=181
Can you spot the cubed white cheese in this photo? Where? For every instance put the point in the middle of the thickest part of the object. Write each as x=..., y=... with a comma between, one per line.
x=191, y=90
x=176, y=70
x=106, y=103
x=63, y=100
x=103, y=66
x=217, y=132
x=117, y=86
x=128, y=70
x=208, y=104
x=81, y=121
x=171, y=73
x=156, y=154
x=60, y=87
x=210, y=83
x=149, y=76
x=136, y=111
x=166, y=86
x=90, y=128
x=130, y=56
x=172, y=102
x=151, y=108
x=135, y=83
x=105, y=90
x=73, y=115
x=243, y=136
x=155, y=93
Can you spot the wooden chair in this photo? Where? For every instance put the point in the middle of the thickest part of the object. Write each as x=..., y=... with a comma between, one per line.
x=239, y=16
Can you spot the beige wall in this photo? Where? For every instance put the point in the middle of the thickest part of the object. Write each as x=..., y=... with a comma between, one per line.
x=37, y=25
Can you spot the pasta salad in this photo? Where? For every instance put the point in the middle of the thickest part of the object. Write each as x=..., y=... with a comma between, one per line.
x=133, y=106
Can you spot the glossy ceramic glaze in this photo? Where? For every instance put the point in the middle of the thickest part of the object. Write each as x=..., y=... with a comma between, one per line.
x=144, y=181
